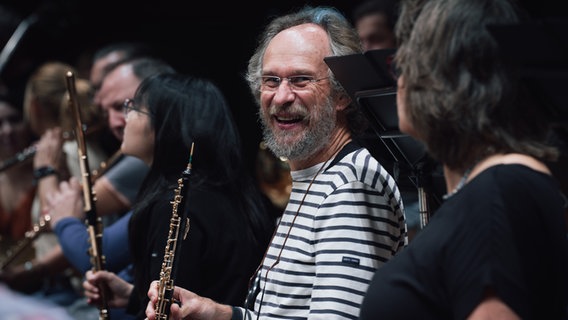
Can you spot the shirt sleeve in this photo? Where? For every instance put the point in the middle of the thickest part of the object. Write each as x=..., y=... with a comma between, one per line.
x=127, y=175
x=74, y=241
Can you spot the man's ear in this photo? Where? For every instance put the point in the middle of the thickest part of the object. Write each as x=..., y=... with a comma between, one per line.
x=342, y=102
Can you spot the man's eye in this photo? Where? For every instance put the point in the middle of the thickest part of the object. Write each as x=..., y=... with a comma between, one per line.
x=117, y=106
x=271, y=81
x=300, y=80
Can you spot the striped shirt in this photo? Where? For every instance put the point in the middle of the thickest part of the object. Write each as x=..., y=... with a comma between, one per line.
x=328, y=245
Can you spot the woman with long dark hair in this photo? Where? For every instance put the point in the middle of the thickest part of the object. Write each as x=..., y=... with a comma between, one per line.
x=229, y=227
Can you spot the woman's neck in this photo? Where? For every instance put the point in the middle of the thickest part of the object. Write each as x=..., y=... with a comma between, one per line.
x=456, y=177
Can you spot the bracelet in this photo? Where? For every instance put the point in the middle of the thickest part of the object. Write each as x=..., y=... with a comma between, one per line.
x=43, y=172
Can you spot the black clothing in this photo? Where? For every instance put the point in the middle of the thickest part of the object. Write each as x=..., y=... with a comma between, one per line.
x=216, y=259
x=504, y=230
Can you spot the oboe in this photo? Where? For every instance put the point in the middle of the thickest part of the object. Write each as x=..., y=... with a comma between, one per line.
x=93, y=222
x=177, y=222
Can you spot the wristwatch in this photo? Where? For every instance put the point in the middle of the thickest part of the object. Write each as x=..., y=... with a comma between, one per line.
x=43, y=172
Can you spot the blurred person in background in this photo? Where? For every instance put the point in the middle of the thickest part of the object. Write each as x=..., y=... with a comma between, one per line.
x=375, y=21
x=17, y=188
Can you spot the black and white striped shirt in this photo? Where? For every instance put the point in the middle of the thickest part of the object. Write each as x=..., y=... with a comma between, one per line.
x=350, y=223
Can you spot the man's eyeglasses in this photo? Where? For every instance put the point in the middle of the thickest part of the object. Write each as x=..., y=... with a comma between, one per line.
x=296, y=83
x=129, y=105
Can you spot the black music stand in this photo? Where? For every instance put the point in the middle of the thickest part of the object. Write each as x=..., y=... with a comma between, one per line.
x=368, y=80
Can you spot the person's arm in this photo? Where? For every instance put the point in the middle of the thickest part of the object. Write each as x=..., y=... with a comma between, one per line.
x=192, y=305
x=49, y=165
x=66, y=211
x=73, y=238
x=109, y=199
x=116, y=190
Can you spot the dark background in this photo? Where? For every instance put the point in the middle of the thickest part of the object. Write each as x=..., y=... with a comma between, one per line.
x=207, y=38
x=210, y=39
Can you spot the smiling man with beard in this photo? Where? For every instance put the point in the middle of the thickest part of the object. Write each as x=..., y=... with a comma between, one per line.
x=283, y=138
x=345, y=217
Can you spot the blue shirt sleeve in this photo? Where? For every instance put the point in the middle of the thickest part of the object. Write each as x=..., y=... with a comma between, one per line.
x=74, y=240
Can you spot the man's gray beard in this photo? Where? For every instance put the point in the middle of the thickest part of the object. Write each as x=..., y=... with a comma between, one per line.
x=313, y=140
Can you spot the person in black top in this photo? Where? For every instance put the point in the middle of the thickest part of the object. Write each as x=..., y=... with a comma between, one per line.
x=496, y=248
x=229, y=228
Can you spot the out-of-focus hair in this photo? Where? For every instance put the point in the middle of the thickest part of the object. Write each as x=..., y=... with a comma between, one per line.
x=463, y=98
x=91, y=115
x=46, y=87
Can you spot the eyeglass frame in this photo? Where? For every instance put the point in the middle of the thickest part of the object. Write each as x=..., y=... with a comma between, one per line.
x=128, y=105
x=292, y=82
